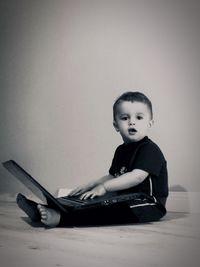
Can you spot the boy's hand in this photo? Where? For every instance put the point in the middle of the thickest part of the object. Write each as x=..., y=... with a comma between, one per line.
x=80, y=190
x=95, y=192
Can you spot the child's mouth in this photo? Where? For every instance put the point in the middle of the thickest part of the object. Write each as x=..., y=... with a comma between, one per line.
x=132, y=131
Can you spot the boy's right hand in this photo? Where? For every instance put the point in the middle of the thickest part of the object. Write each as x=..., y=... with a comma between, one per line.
x=80, y=190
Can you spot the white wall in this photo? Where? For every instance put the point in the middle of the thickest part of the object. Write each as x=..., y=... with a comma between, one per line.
x=65, y=62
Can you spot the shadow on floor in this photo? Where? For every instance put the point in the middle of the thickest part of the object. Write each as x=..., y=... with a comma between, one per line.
x=175, y=215
x=32, y=224
x=169, y=217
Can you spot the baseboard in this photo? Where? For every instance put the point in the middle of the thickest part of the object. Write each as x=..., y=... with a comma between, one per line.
x=188, y=202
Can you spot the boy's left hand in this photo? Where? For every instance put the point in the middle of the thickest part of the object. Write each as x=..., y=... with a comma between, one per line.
x=97, y=191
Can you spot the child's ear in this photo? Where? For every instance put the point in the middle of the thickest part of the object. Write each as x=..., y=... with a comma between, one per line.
x=151, y=123
x=115, y=126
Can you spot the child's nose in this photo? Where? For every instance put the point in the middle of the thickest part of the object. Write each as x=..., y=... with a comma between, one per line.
x=131, y=122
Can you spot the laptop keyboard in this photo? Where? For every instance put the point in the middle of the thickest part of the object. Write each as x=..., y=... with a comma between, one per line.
x=74, y=198
x=104, y=200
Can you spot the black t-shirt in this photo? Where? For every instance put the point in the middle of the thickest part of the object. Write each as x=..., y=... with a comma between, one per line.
x=147, y=156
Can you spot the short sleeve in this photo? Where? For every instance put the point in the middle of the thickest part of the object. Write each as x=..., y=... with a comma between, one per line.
x=149, y=158
x=114, y=163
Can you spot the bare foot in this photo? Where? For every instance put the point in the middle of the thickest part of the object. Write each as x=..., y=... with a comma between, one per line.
x=49, y=217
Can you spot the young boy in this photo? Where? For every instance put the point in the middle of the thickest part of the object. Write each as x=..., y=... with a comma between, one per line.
x=138, y=166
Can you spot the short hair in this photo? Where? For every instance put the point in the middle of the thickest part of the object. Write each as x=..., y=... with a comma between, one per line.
x=133, y=97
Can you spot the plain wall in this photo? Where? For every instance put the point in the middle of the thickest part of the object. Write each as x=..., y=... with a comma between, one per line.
x=63, y=63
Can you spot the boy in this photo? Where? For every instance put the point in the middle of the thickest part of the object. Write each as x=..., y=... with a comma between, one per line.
x=138, y=166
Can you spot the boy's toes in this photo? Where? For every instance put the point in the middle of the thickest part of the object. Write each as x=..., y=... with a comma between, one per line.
x=42, y=212
x=49, y=216
x=39, y=207
x=44, y=216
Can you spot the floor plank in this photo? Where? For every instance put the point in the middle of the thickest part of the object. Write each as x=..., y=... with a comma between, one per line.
x=174, y=241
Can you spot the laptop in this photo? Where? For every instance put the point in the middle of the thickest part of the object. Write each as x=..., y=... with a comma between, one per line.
x=63, y=203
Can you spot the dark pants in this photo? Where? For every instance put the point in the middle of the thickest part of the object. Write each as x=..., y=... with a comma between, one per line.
x=140, y=210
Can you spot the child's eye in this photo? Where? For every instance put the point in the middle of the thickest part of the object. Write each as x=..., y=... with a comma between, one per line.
x=124, y=118
x=139, y=117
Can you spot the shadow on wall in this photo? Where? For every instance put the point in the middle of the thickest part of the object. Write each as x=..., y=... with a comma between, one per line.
x=177, y=188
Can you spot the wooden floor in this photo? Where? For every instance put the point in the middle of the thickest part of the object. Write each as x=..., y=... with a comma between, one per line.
x=172, y=242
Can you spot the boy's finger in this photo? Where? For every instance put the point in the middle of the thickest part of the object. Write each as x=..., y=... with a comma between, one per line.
x=86, y=195
x=74, y=192
x=82, y=196
x=93, y=196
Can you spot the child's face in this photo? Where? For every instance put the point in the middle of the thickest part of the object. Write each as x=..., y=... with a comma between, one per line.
x=132, y=120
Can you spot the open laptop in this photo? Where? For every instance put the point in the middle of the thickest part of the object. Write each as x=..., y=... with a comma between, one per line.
x=62, y=203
